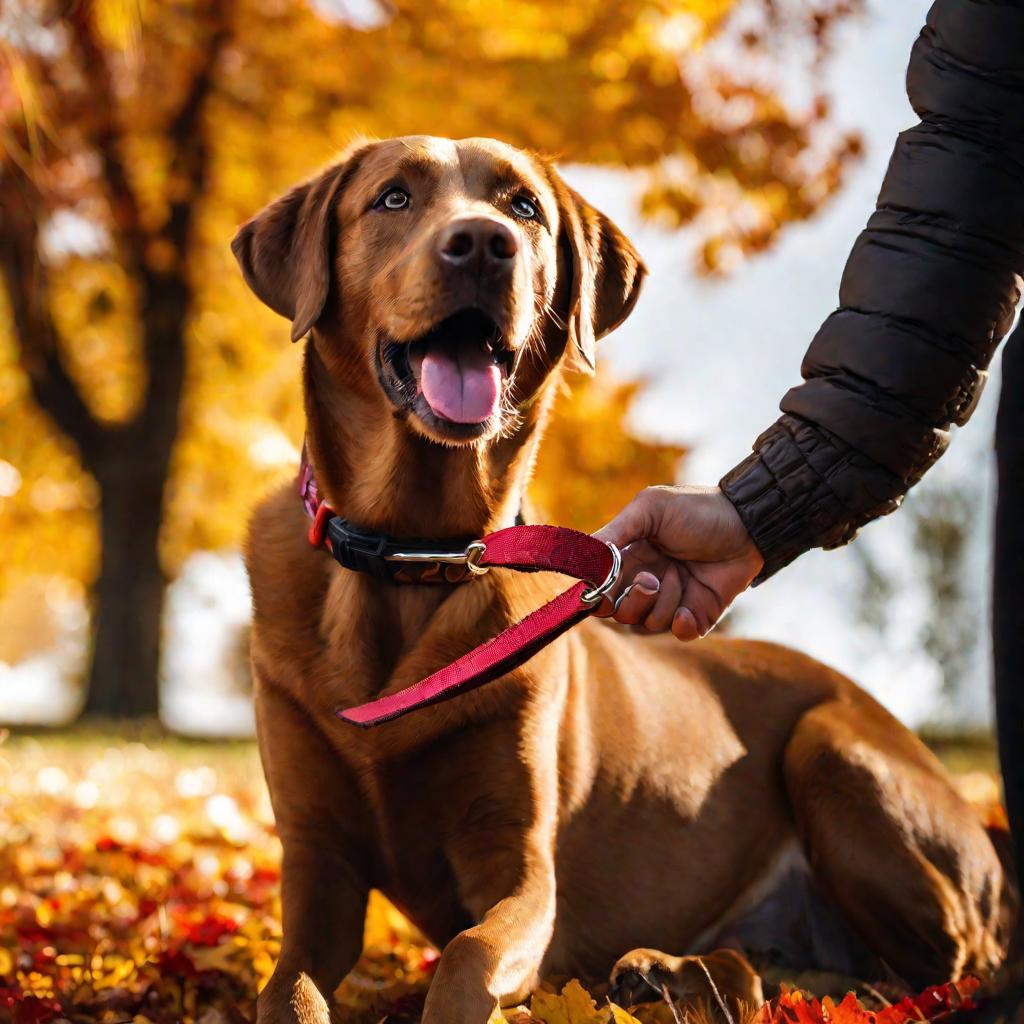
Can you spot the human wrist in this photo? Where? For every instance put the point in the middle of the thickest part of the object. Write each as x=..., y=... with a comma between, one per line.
x=776, y=531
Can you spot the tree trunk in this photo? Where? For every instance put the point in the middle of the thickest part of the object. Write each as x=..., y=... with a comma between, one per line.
x=128, y=601
x=1007, y=606
x=131, y=470
x=130, y=463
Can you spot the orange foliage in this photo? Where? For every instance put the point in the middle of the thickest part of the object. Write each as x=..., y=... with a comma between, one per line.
x=590, y=462
x=137, y=136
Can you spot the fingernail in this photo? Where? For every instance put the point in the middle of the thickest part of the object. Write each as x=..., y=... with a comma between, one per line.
x=648, y=583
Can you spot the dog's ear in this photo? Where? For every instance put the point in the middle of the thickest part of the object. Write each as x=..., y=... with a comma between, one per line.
x=604, y=270
x=285, y=251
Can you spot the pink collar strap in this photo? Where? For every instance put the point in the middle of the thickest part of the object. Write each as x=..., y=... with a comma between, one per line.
x=595, y=564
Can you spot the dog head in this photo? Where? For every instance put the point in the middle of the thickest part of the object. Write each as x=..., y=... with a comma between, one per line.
x=450, y=276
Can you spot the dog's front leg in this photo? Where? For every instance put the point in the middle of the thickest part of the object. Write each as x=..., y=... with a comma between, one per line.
x=324, y=909
x=324, y=875
x=498, y=959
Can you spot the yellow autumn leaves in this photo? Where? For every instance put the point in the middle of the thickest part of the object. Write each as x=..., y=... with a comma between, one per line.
x=573, y=1005
x=292, y=87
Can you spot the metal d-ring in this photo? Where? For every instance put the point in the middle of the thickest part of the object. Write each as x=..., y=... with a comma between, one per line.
x=474, y=552
x=592, y=597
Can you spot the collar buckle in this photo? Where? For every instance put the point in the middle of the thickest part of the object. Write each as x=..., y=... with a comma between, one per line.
x=355, y=549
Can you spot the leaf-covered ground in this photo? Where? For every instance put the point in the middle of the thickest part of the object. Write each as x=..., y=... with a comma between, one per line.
x=139, y=883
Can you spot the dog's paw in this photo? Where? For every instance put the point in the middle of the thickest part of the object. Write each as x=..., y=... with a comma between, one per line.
x=639, y=976
x=293, y=1000
x=721, y=978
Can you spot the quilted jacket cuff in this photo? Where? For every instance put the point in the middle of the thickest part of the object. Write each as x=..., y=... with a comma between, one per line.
x=762, y=499
x=804, y=488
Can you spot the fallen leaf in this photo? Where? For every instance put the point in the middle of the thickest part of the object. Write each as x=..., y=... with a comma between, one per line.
x=573, y=1006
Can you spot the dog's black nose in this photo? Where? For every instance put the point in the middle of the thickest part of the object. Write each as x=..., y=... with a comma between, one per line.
x=478, y=240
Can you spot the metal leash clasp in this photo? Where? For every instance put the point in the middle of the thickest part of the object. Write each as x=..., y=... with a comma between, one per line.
x=470, y=557
x=594, y=596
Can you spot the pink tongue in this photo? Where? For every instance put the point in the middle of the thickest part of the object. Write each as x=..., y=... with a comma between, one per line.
x=460, y=384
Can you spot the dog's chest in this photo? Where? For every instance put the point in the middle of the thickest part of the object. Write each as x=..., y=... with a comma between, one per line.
x=416, y=873
x=443, y=814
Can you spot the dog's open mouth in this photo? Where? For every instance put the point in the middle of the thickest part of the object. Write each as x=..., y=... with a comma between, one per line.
x=453, y=377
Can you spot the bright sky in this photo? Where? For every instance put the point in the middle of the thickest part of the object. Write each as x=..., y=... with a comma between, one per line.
x=720, y=356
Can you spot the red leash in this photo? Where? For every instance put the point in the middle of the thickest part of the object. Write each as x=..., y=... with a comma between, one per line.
x=525, y=549
x=430, y=562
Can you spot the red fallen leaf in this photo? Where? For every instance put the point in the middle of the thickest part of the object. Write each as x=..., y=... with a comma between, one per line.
x=210, y=930
x=847, y=1011
x=793, y=1007
x=175, y=963
x=53, y=935
x=42, y=958
x=147, y=907
x=935, y=1001
x=33, y=1010
x=107, y=844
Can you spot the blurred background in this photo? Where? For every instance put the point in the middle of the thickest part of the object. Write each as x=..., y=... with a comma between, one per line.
x=147, y=399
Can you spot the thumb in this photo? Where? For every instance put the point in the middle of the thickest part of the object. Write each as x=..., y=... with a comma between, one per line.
x=637, y=521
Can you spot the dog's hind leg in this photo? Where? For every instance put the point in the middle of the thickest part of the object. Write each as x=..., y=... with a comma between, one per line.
x=904, y=858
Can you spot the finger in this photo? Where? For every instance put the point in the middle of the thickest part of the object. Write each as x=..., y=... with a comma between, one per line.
x=613, y=601
x=637, y=521
x=638, y=560
x=684, y=625
x=638, y=600
x=629, y=525
x=703, y=603
x=659, y=618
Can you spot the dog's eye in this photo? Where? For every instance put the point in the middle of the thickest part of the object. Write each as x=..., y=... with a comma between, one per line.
x=525, y=208
x=394, y=198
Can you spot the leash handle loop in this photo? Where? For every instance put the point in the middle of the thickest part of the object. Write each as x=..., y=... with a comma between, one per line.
x=523, y=549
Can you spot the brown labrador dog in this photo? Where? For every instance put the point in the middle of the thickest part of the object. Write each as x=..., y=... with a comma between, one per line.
x=615, y=792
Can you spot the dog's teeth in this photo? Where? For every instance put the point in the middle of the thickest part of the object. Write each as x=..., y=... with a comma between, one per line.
x=415, y=360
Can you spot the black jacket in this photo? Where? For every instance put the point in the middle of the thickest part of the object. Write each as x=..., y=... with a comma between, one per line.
x=926, y=296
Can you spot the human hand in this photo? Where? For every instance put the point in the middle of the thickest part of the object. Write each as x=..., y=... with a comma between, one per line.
x=686, y=556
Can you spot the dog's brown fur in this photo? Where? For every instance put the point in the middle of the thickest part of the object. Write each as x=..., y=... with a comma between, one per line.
x=616, y=791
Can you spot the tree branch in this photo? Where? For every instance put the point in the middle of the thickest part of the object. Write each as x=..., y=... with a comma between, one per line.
x=169, y=292
x=28, y=293
x=186, y=133
x=105, y=137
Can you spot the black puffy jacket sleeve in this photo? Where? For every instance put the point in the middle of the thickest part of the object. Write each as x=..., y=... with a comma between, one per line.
x=927, y=294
